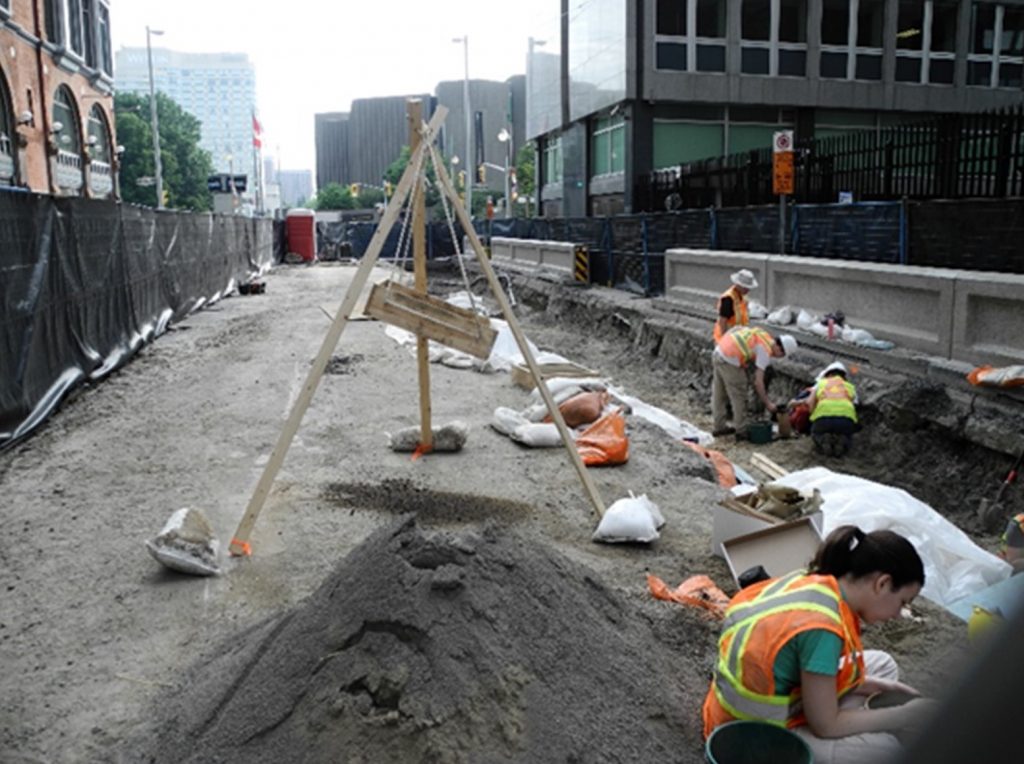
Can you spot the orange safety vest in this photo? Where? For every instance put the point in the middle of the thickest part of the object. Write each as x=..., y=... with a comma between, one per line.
x=834, y=397
x=740, y=343
x=759, y=621
x=739, y=311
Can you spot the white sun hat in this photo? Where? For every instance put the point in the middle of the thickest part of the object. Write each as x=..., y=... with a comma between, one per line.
x=744, y=278
x=789, y=343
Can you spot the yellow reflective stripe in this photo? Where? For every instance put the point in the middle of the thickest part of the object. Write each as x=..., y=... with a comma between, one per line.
x=747, y=705
x=810, y=595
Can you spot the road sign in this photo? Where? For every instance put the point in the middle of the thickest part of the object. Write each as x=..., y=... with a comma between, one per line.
x=782, y=141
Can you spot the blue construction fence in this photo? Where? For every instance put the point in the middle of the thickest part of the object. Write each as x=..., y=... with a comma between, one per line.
x=628, y=251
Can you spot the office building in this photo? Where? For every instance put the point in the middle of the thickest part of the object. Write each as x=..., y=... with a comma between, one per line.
x=219, y=89
x=618, y=88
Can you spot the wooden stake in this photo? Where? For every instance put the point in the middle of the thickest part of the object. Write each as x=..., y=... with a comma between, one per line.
x=513, y=324
x=240, y=541
x=414, y=110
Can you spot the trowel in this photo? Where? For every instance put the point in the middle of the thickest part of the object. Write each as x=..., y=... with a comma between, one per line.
x=992, y=514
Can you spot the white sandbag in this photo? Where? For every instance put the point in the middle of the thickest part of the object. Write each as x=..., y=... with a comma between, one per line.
x=506, y=420
x=450, y=437
x=187, y=544
x=636, y=518
x=954, y=566
x=781, y=317
x=557, y=385
x=756, y=309
x=505, y=351
x=855, y=336
x=537, y=435
x=806, y=320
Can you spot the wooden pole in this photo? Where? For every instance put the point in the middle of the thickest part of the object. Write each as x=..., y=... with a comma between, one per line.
x=240, y=541
x=513, y=324
x=414, y=110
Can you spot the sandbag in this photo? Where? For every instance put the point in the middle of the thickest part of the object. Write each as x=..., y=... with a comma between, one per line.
x=583, y=408
x=187, y=544
x=451, y=437
x=506, y=420
x=1005, y=376
x=636, y=518
x=724, y=471
x=604, y=443
x=781, y=317
x=537, y=435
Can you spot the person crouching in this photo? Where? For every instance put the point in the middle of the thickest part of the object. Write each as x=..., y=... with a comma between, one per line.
x=833, y=411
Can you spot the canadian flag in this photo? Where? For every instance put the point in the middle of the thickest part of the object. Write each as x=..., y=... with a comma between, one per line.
x=257, y=132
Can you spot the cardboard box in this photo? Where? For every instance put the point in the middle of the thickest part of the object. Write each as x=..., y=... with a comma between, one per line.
x=779, y=549
x=521, y=376
x=731, y=519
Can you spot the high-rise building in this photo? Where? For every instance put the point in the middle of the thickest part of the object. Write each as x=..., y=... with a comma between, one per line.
x=296, y=187
x=331, y=136
x=219, y=89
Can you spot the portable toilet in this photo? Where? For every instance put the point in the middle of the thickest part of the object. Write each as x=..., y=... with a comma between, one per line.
x=300, y=225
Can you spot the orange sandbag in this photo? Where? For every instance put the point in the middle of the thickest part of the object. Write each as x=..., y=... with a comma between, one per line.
x=697, y=591
x=605, y=441
x=582, y=408
x=1005, y=376
x=723, y=467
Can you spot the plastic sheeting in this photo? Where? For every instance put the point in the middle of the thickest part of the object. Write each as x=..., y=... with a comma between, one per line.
x=954, y=566
x=85, y=283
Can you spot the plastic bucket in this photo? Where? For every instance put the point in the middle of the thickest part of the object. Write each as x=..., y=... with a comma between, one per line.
x=760, y=432
x=746, y=742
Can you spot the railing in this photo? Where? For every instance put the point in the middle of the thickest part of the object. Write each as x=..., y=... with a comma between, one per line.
x=954, y=156
x=101, y=179
x=69, y=170
x=6, y=159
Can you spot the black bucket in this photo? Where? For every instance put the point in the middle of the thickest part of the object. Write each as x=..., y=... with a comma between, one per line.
x=747, y=742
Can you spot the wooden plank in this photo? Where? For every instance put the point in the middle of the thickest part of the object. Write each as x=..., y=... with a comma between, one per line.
x=735, y=505
x=767, y=466
x=513, y=325
x=414, y=111
x=520, y=373
x=430, y=317
x=240, y=541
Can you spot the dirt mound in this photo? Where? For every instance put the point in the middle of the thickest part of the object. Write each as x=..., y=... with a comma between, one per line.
x=444, y=646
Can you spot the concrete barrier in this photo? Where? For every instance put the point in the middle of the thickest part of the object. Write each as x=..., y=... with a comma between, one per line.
x=968, y=316
x=532, y=254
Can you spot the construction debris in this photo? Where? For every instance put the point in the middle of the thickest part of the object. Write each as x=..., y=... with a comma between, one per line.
x=187, y=544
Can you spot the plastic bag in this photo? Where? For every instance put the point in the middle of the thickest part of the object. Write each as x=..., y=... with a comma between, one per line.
x=756, y=310
x=582, y=408
x=697, y=591
x=506, y=420
x=636, y=518
x=187, y=544
x=604, y=443
x=781, y=317
x=723, y=467
x=1006, y=376
x=537, y=435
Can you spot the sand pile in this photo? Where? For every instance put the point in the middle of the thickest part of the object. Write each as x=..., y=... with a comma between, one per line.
x=476, y=645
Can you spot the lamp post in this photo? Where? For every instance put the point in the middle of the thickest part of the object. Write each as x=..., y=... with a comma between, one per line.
x=506, y=137
x=469, y=123
x=158, y=174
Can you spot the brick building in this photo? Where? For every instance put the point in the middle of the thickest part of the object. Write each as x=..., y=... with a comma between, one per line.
x=56, y=97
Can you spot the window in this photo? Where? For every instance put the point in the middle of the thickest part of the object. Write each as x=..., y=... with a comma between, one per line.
x=690, y=35
x=68, y=139
x=103, y=56
x=774, y=37
x=851, y=39
x=926, y=41
x=73, y=14
x=101, y=180
x=5, y=7
x=8, y=141
x=996, y=57
x=607, y=146
x=553, y=160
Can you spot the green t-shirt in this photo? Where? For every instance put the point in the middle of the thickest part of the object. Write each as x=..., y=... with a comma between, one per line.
x=817, y=651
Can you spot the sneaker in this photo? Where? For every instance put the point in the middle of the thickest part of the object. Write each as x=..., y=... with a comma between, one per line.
x=723, y=431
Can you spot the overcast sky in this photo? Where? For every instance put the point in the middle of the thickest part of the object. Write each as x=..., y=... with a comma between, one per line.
x=318, y=55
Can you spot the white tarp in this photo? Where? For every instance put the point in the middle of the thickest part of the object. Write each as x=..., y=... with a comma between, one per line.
x=954, y=566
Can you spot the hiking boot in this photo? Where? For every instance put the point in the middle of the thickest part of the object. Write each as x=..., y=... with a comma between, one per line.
x=723, y=431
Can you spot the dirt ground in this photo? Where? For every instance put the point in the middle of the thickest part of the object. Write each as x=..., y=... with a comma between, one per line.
x=474, y=619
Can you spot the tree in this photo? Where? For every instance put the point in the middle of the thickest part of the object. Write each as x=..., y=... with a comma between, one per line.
x=394, y=174
x=333, y=196
x=185, y=166
x=526, y=164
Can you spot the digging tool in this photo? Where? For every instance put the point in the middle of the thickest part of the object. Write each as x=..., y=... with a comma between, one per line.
x=992, y=514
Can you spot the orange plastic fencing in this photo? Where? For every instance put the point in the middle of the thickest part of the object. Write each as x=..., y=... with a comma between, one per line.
x=697, y=591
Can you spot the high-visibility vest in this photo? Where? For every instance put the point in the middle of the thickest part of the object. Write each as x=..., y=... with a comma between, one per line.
x=834, y=396
x=739, y=311
x=759, y=621
x=740, y=343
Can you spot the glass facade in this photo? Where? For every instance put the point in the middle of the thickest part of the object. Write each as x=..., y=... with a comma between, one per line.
x=597, y=56
x=544, y=78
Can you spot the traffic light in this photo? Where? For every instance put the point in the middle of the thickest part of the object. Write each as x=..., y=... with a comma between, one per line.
x=481, y=173
x=353, y=189
x=462, y=178
x=513, y=186
x=387, y=189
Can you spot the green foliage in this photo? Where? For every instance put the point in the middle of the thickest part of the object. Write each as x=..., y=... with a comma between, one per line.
x=333, y=196
x=526, y=170
x=184, y=164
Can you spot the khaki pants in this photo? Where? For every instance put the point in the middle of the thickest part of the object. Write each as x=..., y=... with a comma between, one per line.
x=728, y=384
x=867, y=747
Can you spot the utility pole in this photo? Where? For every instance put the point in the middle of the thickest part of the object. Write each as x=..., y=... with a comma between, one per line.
x=469, y=158
x=158, y=174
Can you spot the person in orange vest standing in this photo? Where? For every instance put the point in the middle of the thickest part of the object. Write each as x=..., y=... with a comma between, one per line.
x=790, y=652
x=732, y=304
x=833, y=411
x=741, y=348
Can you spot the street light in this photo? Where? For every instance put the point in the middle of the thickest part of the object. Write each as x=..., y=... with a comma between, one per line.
x=156, y=124
x=504, y=136
x=469, y=123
